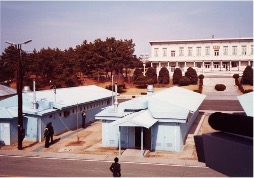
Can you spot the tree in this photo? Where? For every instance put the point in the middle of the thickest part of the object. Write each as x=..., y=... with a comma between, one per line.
x=177, y=75
x=247, y=77
x=192, y=75
x=137, y=73
x=151, y=73
x=163, y=76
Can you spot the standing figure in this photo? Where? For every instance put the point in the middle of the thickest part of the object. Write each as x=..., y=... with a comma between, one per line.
x=115, y=168
x=46, y=136
x=51, y=131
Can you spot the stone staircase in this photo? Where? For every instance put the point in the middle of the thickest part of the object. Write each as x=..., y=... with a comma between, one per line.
x=230, y=93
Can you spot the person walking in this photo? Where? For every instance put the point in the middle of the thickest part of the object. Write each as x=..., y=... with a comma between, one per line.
x=115, y=168
x=51, y=131
x=46, y=136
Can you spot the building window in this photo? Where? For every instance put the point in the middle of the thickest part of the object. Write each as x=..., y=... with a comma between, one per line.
x=216, y=65
x=244, y=50
x=251, y=50
x=234, y=51
x=173, y=53
x=216, y=52
x=198, y=51
x=181, y=51
x=50, y=116
x=190, y=51
x=164, y=52
x=207, y=50
x=156, y=52
x=225, y=50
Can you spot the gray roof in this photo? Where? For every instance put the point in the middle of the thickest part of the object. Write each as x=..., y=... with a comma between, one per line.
x=4, y=91
x=65, y=97
x=174, y=104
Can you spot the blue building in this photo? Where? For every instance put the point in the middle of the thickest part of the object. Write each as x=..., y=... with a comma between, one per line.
x=157, y=121
x=63, y=107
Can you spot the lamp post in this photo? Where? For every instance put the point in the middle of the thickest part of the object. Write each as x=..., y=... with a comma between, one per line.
x=144, y=58
x=19, y=92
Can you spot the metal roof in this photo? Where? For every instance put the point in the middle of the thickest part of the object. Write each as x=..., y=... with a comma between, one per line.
x=172, y=105
x=246, y=101
x=4, y=90
x=66, y=97
x=138, y=119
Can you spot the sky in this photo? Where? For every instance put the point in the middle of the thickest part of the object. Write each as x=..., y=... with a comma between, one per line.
x=64, y=24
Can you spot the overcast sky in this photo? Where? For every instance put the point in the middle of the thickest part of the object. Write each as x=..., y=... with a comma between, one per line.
x=63, y=24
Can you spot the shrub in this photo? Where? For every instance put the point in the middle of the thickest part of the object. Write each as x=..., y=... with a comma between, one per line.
x=151, y=74
x=236, y=76
x=163, y=76
x=136, y=74
x=120, y=88
x=184, y=81
x=201, y=76
x=177, y=75
x=220, y=87
x=247, y=77
x=192, y=75
x=143, y=81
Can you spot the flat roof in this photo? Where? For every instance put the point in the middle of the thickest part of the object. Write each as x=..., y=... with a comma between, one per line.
x=211, y=40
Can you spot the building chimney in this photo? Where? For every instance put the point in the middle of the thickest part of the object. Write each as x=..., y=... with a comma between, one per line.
x=34, y=96
x=149, y=89
x=116, y=102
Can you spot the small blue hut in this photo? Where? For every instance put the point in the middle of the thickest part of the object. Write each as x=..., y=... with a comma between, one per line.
x=157, y=121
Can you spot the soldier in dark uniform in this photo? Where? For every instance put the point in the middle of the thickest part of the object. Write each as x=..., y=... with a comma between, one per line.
x=51, y=131
x=115, y=168
x=46, y=136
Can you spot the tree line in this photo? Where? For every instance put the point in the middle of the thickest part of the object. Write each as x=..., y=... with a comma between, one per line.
x=62, y=67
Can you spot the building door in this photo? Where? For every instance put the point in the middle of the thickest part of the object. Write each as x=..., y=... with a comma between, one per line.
x=5, y=134
x=146, y=138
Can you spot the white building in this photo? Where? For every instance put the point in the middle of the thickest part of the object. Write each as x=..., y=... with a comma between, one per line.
x=204, y=55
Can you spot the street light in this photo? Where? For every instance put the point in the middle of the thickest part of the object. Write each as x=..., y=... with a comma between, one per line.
x=19, y=92
x=144, y=59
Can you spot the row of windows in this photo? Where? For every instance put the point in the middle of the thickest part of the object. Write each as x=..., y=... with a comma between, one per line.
x=81, y=108
x=225, y=51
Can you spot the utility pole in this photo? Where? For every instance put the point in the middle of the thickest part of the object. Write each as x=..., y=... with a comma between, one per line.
x=21, y=131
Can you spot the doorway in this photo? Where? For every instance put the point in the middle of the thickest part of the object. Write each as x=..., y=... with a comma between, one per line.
x=146, y=138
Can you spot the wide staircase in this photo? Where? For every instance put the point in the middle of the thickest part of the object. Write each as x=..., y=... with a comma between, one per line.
x=230, y=93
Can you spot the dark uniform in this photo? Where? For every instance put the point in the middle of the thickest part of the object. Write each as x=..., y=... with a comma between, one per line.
x=46, y=136
x=115, y=168
x=51, y=131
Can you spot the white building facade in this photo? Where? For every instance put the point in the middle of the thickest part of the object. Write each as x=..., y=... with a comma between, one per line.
x=204, y=55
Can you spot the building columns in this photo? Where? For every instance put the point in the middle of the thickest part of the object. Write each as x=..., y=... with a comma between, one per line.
x=239, y=65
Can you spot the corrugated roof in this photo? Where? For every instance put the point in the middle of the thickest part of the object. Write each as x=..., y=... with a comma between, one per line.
x=246, y=101
x=4, y=90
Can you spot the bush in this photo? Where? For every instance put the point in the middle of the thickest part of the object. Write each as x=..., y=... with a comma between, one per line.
x=247, y=77
x=177, y=75
x=235, y=76
x=220, y=87
x=143, y=81
x=163, y=76
x=184, y=81
x=192, y=75
x=201, y=76
x=136, y=74
x=151, y=74
x=120, y=88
